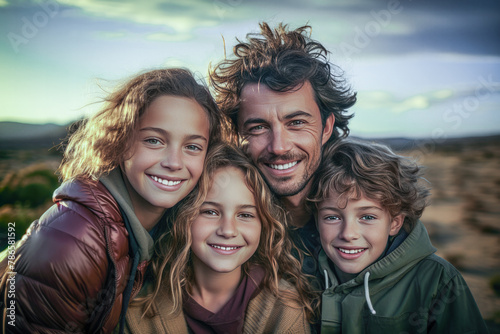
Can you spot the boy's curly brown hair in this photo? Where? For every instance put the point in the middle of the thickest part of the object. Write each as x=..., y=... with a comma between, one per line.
x=355, y=168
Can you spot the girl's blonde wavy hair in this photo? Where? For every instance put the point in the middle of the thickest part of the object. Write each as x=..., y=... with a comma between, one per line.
x=98, y=144
x=171, y=268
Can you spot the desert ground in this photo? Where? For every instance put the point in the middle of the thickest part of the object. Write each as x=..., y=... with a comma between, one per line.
x=463, y=219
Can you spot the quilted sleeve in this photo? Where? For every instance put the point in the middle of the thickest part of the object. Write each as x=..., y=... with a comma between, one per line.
x=60, y=271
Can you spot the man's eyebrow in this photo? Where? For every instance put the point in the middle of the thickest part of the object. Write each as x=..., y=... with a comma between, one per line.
x=164, y=133
x=297, y=114
x=254, y=121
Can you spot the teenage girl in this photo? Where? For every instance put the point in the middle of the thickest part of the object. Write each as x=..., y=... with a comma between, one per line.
x=82, y=261
x=227, y=265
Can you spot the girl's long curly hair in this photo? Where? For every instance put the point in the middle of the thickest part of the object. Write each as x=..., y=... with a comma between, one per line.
x=171, y=267
x=98, y=144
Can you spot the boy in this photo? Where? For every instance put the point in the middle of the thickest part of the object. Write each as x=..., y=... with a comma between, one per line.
x=381, y=273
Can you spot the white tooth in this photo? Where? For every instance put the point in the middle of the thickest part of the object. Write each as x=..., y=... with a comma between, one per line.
x=347, y=251
x=154, y=178
x=223, y=247
x=285, y=166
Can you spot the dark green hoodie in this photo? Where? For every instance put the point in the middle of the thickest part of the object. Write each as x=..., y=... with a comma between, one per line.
x=411, y=290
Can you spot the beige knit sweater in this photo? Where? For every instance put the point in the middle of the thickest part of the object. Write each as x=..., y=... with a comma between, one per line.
x=265, y=314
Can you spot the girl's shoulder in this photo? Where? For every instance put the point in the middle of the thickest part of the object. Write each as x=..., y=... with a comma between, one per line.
x=269, y=313
x=88, y=197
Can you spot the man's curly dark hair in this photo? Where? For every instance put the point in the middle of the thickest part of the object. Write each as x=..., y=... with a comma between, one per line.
x=283, y=60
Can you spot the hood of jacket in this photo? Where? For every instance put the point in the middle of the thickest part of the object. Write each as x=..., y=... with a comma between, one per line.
x=387, y=270
x=410, y=290
x=101, y=203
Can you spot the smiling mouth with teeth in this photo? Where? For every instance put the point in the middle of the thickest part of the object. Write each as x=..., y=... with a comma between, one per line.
x=225, y=248
x=285, y=166
x=165, y=182
x=351, y=251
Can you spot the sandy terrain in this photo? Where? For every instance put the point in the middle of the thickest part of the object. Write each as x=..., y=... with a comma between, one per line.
x=464, y=217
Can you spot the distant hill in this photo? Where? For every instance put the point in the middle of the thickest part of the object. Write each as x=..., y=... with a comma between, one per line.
x=430, y=145
x=396, y=143
x=15, y=135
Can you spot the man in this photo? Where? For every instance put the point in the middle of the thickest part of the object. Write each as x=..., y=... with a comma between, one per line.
x=286, y=102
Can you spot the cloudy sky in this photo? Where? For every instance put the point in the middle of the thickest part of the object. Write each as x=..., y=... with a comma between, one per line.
x=422, y=68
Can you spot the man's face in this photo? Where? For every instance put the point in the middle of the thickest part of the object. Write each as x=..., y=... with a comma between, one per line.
x=284, y=135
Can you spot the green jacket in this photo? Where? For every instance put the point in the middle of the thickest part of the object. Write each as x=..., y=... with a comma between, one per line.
x=410, y=290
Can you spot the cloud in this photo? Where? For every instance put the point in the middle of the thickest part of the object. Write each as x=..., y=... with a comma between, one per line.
x=380, y=100
x=462, y=27
x=180, y=17
x=388, y=102
x=163, y=15
x=445, y=26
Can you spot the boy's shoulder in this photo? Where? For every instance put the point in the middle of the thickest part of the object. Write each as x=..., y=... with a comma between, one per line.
x=437, y=270
x=437, y=262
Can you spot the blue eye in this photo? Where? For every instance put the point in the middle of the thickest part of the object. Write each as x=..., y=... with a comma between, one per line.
x=152, y=141
x=194, y=148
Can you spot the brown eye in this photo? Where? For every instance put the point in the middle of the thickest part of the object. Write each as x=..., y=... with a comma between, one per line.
x=209, y=212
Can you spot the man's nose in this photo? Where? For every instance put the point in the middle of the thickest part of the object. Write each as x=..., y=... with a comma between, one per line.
x=280, y=142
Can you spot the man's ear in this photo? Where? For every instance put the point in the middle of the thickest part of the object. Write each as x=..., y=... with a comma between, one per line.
x=328, y=129
x=396, y=224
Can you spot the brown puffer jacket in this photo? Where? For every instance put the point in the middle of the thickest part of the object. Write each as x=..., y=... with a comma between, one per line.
x=72, y=266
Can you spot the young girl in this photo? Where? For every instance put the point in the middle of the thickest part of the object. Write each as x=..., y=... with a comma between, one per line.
x=81, y=262
x=228, y=266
